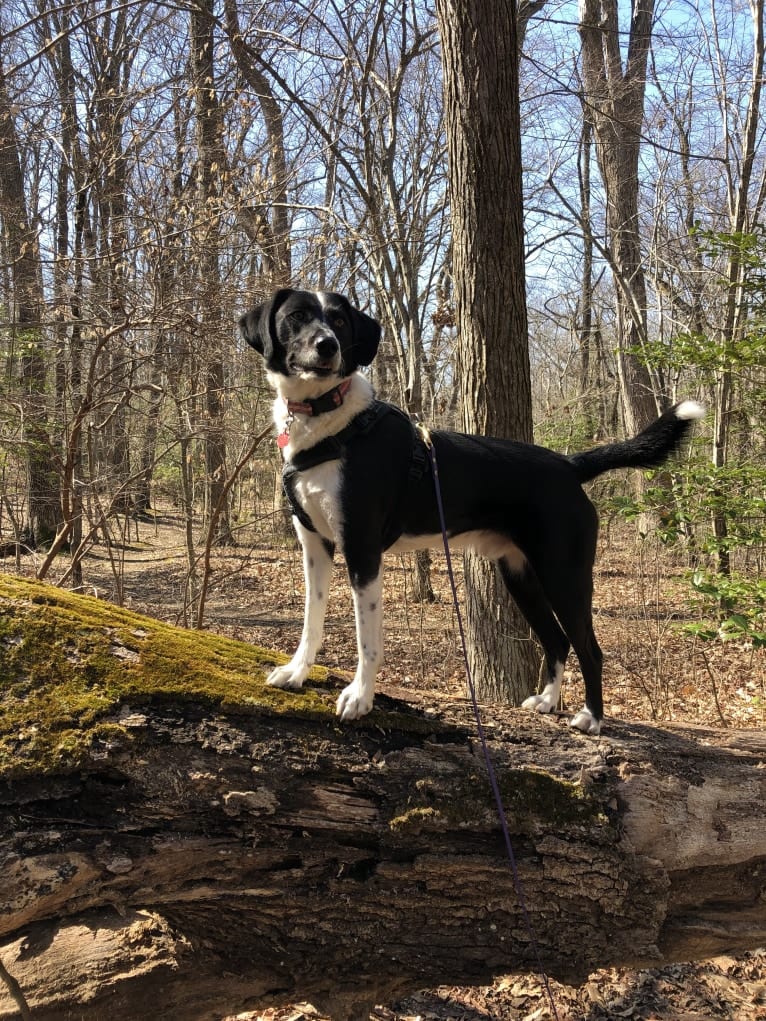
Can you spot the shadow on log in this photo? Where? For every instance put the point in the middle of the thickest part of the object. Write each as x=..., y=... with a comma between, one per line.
x=178, y=840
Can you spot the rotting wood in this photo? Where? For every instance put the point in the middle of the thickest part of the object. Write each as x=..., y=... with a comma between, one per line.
x=233, y=848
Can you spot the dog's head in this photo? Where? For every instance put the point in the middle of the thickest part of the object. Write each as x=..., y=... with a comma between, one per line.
x=311, y=334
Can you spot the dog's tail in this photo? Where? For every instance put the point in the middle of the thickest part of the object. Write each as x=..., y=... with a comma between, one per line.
x=647, y=450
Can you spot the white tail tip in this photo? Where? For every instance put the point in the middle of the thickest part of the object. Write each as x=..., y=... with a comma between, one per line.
x=689, y=409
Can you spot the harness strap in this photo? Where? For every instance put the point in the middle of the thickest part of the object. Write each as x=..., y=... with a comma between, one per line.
x=333, y=448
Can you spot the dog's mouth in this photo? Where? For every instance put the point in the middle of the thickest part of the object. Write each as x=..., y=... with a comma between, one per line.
x=318, y=368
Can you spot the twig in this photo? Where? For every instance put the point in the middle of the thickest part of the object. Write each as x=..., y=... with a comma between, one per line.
x=713, y=686
x=215, y=515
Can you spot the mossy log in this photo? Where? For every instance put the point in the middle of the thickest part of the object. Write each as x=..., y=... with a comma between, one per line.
x=179, y=841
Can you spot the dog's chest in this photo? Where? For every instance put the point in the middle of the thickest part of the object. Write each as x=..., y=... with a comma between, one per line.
x=317, y=490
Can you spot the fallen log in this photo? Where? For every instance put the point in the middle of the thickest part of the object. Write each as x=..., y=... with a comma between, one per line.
x=179, y=841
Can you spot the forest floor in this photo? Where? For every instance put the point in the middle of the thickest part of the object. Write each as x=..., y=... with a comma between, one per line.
x=653, y=670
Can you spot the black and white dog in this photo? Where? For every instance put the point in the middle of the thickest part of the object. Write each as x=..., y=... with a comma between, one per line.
x=357, y=477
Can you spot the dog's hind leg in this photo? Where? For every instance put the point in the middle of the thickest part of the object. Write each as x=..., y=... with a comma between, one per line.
x=585, y=645
x=356, y=699
x=528, y=595
x=571, y=600
x=565, y=575
x=317, y=568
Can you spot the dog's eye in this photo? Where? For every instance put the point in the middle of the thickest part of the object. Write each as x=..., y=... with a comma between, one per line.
x=300, y=315
x=339, y=322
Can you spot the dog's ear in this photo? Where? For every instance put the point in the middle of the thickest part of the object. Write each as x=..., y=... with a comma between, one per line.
x=366, y=336
x=254, y=327
x=257, y=325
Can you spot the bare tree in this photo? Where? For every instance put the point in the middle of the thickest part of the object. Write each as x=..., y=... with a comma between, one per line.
x=705, y=221
x=378, y=145
x=266, y=219
x=399, y=151
x=211, y=162
x=615, y=96
x=740, y=220
x=20, y=237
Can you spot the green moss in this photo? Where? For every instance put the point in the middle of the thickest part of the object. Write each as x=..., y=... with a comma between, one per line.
x=533, y=794
x=529, y=796
x=67, y=663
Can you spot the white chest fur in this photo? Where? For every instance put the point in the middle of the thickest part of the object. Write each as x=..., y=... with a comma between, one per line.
x=306, y=430
x=318, y=489
x=318, y=492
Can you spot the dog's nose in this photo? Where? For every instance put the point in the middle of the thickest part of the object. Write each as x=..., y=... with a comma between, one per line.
x=326, y=346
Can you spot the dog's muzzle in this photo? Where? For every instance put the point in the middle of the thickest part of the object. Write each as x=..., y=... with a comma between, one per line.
x=321, y=356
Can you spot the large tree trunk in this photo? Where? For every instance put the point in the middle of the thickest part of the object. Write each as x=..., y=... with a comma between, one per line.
x=180, y=841
x=481, y=101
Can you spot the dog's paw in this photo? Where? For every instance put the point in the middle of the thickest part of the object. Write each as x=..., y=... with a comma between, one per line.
x=586, y=722
x=288, y=676
x=544, y=703
x=354, y=701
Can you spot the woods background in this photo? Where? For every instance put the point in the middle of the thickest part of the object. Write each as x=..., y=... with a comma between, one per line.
x=162, y=168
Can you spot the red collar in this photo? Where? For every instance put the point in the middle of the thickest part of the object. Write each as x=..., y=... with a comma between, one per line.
x=319, y=405
x=313, y=406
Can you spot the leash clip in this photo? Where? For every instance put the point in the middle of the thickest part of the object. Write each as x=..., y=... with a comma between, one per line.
x=425, y=434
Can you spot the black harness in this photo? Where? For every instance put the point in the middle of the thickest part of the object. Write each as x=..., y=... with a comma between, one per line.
x=333, y=449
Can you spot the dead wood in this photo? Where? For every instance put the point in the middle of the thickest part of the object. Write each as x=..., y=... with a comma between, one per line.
x=183, y=851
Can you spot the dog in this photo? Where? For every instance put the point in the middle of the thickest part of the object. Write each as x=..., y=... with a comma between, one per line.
x=358, y=478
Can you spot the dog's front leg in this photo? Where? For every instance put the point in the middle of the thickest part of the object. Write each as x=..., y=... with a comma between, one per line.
x=317, y=568
x=356, y=699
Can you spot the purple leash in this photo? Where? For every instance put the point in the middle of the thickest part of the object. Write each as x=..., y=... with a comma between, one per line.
x=517, y=884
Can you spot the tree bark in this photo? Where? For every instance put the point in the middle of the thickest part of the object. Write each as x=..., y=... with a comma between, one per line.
x=481, y=101
x=192, y=843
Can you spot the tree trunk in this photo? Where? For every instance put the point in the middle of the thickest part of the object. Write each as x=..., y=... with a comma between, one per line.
x=211, y=166
x=585, y=320
x=736, y=302
x=26, y=315
x=423, y=589
x=268, y=224
x=481, y=98
x=615, y=99
x=175, y=833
